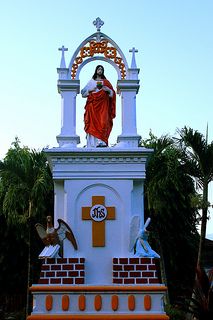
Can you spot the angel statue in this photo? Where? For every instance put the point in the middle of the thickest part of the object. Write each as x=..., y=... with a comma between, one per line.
x=139, y=239
x=53, y=238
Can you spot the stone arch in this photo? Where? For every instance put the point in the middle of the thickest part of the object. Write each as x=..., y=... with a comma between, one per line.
x=91, y=48
x=95, y=59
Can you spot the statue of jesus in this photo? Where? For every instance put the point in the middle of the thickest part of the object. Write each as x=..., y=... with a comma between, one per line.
x=99, y=109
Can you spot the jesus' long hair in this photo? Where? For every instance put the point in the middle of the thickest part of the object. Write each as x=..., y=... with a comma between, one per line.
x=95, y=74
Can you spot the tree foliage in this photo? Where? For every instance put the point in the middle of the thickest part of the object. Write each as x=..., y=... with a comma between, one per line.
x=197, y=161
x=168, y=195
x=26, y=184
x=26, y=197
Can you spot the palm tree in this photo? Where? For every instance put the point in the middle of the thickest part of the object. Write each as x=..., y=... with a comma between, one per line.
x=198, y=162
x=26, y=187
x=168, y=192
x=153, y=184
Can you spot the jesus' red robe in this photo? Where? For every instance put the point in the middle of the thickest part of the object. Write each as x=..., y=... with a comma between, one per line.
x=99, y=113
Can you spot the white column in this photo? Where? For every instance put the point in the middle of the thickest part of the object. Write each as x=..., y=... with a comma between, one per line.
x=68, y=90
x=128, y=105
x=68, y=113
x=128, y=90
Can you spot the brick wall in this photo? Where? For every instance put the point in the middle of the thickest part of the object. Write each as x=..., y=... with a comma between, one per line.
x=134, y=271
x=125, y=271
x=62, y=271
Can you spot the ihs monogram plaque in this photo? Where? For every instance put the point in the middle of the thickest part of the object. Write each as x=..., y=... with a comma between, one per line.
x=98, y=214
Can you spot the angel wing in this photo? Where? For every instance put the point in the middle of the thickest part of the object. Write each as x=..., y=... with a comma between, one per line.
x=42, y=233
x=134, y=230
x=147, y=223
x=64, y=231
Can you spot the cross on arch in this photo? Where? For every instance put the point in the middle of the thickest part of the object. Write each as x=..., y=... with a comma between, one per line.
x=98, y=23
x=95, y=212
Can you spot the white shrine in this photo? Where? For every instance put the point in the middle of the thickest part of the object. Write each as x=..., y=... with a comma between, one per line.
x=98, y=192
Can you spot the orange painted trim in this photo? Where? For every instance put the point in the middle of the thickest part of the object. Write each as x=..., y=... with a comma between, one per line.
x=114, y=302
x=49, y=302
x=99, y=317
x=65, y=302
x=98, y=302
x=82, y=302
x=131, y=302
x=147, y=302
x=52, y=288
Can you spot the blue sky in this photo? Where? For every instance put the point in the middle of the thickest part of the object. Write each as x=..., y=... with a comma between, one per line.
x=175, y=44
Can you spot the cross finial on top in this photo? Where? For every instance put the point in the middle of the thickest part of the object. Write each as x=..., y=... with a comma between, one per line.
x=98, y=23
x=133, y=50
x=133, y=64
x=62, y=49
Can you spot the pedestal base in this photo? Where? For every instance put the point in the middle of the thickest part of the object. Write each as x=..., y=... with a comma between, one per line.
x=98, y=302
x=68, y=142
x=139, y=295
